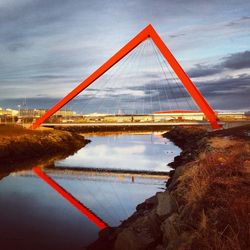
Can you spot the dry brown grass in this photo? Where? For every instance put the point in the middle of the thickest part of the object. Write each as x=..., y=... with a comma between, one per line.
x=215, y=192
x=17, y=130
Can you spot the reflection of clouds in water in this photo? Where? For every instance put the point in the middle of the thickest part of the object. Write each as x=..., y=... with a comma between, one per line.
x=130, y=150
x=137, y=152
x=110, y=157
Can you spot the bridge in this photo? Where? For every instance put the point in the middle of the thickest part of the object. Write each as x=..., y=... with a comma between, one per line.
x=122, y=127
x=127, y=124
x=160, y=49
x=177, y=76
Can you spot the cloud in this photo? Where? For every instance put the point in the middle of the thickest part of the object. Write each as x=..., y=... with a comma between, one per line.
x=38, y=102
x=203, y=70
x=227, y=93
x=177, y=35
x=48, y=47
x=228, y=84
x=240, y=21
x=239, y=60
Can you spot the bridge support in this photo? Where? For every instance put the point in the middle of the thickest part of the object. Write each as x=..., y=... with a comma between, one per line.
x=147, y=32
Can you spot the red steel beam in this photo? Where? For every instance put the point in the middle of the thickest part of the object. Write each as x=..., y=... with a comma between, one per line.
x=186, y=81
x=143, y=35
x=71, y=199
x=96, y=74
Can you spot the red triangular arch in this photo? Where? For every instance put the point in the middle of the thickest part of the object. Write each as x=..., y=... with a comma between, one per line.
x=149, y=31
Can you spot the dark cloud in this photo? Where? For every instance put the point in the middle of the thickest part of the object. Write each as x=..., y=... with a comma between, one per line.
x=238, y=21
x=38, y=102
x=240, y=60
x=223, y=86
x=47, y=77
x=15, y=46
x=177, y=35
x=227, y=93
x=204, y=70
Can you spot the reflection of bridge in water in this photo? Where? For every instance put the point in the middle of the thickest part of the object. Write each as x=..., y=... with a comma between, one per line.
x=79, y=173
x=70, y=198
x=120, y=173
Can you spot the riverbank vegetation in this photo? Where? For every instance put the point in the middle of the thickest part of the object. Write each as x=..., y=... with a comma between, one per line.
x=20, y=146
x=213, y=197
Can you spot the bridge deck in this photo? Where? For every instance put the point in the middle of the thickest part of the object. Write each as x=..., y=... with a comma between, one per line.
x=125, y=124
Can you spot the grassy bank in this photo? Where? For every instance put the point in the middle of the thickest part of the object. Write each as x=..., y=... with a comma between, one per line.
x=213, y=192
x=206, y=204
x=20, y=146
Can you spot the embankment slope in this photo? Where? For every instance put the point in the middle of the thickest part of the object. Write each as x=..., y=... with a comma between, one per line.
x=20, y=146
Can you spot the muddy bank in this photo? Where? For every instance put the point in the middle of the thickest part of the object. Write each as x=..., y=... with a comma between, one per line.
x=23, y=148
x=206, y=204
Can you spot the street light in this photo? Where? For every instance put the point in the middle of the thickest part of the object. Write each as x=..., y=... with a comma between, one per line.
x=19, y=115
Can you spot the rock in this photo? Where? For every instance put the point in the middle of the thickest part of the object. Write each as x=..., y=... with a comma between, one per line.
x=141, y=234
x=160, y=247
x=166, y=204
x=129, y=240
x=147, y=204
x=107, y=233
x=174, y=179
x=169, y=229
x=175, y=245
x=171, y=173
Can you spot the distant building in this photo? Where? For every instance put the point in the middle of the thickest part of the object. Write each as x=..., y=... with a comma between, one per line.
x=8, y=112
x=31, y=112
x=39, y=112
x=8, y=115
x=172, y=115
x=231, y=116
x=199, y=116
x=65, y=113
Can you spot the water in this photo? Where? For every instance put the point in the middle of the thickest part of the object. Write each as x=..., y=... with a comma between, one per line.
x=131, y=151
x=34, y=216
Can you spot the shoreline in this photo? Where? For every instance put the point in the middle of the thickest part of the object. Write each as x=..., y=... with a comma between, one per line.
x=22, y=148
x=197, y=210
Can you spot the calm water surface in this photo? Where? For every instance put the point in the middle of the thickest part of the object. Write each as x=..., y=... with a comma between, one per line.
x=134, y=151
x=34, y=216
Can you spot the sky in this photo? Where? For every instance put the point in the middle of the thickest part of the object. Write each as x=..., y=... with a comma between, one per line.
x=48, y=47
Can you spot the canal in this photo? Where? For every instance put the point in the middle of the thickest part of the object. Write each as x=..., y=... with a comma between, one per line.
x=34, y=216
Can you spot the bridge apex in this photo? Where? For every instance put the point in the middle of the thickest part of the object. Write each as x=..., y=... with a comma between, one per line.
x=149, y=26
